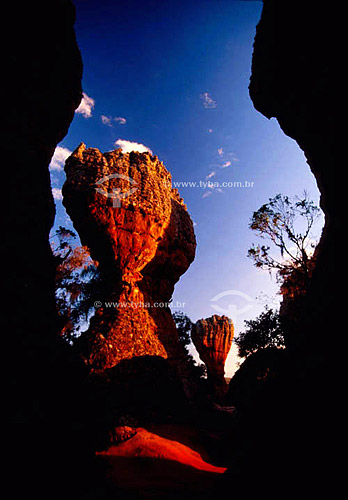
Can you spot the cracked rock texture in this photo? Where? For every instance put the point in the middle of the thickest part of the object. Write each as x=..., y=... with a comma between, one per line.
x=138, y=229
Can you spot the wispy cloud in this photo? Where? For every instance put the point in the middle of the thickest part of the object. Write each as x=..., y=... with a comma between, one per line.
x=86, y=106
x=128, y=146
x=206, y=194
x=120, y=120
x=229, y=157
x=57, y=194
x=208, y=101
x=212, y=185
x=211, y=174
x=58, y=159
x=212, y=188
x=233, y=157
x=108, y=120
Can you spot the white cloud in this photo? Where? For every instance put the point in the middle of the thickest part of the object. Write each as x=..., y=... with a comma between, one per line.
x=128, y=146
x=86, y=106
x=309, y=247
x=206, y=194
x=231, y=157
x=120, y=120
x=59, y=157
x=208, y=101
x=57, y=194
x=106, y=120
x=209, y=176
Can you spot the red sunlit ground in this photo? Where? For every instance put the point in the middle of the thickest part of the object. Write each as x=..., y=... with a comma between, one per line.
x=155, y=464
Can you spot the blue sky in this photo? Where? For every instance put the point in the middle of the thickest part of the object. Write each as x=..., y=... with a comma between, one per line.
x=173, y=76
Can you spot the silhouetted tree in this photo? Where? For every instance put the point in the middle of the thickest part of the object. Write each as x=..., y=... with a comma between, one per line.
x=288, y=224
x=77, y=282
x=263, y=332
x=184, y=328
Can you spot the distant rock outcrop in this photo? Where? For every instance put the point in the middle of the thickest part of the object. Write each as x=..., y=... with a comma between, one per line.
x=212, y=338
x=138, y=229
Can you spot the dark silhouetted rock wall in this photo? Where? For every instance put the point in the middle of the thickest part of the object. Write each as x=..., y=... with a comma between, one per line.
x=289, y=431
x=291, y=81
x=44, y=385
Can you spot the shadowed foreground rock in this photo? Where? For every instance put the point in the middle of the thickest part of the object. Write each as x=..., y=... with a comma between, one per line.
x=291, y=81
x=292, y=430
x=151, y=465
x=45, y=398
x=212, y=338
x=138, y=229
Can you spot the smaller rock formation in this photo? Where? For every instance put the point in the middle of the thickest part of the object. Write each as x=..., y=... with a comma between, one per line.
x=212, y=338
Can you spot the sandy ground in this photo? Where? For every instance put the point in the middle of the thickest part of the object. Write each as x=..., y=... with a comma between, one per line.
x=160, y=463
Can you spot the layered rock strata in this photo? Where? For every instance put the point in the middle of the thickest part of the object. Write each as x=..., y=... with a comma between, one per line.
x=138, y=229
x=212, y=338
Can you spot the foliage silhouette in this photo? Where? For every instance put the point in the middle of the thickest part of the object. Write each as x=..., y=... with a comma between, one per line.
x=184, y=327
x=288, y=224
x=261, y=333
x=77, y=282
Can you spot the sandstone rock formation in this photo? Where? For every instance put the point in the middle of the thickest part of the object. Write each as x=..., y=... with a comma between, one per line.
x=138, y=229
x=212, y=338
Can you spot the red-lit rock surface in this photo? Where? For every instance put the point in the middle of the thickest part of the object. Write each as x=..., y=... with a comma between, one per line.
x=212, y=338
x=154, y=466
x=138, y=229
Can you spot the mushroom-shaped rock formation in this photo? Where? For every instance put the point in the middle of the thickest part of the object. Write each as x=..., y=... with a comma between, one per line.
x=212, y=338
x=139, y=231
